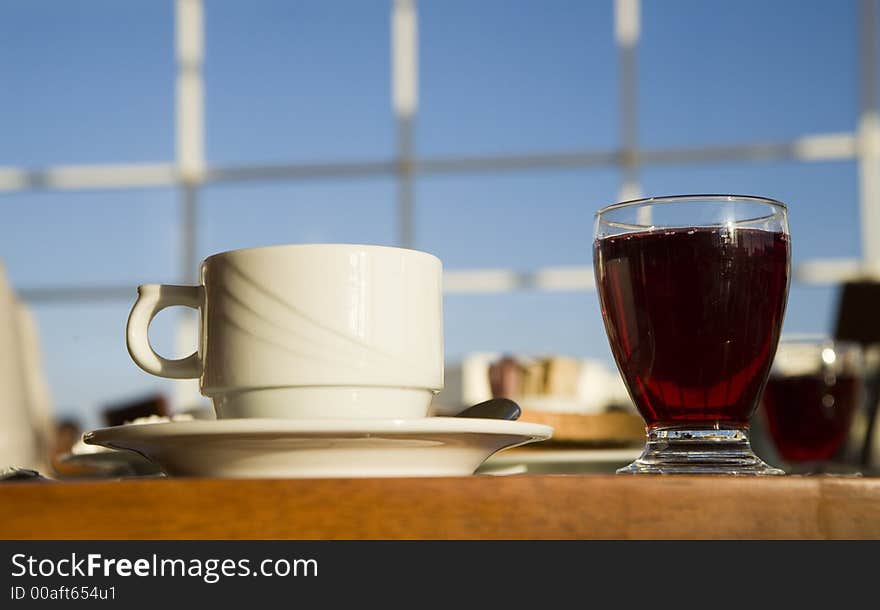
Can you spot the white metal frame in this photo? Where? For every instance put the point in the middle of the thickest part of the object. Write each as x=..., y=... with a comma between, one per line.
x=190, y=171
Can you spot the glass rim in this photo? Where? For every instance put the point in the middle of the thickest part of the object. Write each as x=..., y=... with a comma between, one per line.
x=709, y=197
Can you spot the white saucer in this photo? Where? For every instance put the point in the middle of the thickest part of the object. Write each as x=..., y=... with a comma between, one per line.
x=561, y=461
x=251, y=448
x=110, y=462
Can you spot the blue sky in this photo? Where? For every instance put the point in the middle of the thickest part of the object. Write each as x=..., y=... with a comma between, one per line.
x=93, y=82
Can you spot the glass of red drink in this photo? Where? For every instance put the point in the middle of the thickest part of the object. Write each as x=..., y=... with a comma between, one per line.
x=815, y=388
x=693, y=291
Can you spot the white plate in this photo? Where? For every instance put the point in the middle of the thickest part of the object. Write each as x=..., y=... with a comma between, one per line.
x=431, y=446
x=112, y=463
x=561, y=461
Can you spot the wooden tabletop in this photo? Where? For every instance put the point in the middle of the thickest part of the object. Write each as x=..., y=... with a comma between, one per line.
x=512, y=507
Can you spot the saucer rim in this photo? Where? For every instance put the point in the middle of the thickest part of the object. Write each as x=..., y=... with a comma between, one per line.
x=326, y=426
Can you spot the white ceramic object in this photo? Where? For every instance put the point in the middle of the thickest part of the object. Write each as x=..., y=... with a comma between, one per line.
x=18, y=439
x=116, y=462
x=307, y=331
x=259, y=448
x=561, y=461
x=37, y=396
x=110, y=462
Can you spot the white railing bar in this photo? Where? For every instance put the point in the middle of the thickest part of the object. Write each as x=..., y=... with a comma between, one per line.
x=836, y=270
x=869, y=133
x=189, y=39
x=72, y=294
x=404, y=103
x=344, y=169
x=450, y=165
x=573, y=278
x=813, y=148
x=825, y=147
x=627, y=22
x=404, y=58
x=627, y=27
x=76, y=177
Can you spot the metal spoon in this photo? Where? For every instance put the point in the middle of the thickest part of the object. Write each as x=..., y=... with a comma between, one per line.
x=494, y=408
x=13, y=473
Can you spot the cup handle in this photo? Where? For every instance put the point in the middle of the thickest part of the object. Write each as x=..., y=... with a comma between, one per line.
x=153, y=298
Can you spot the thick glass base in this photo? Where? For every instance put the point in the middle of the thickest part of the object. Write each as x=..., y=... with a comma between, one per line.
x=699, y=451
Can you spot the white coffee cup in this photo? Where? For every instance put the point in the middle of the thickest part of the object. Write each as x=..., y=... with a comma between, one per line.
x=307, y=331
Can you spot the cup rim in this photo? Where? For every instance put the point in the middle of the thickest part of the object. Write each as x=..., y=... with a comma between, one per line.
x=716, y=197
x=323, y=246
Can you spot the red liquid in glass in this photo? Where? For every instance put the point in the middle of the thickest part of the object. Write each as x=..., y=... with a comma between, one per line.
x=809, y=415
x=693, y=317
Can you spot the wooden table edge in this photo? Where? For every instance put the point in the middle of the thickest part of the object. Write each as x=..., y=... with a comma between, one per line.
x=481, y=507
